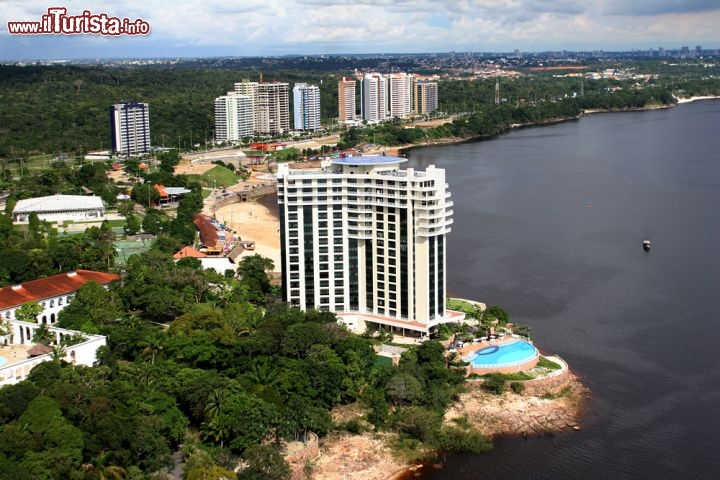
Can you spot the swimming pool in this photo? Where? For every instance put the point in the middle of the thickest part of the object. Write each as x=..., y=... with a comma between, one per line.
x=515, y=354
x=3, y=361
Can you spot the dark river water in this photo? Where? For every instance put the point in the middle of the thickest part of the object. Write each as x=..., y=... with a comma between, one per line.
x=549, y=223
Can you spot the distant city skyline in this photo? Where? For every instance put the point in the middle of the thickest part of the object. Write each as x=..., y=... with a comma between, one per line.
x=313, y=27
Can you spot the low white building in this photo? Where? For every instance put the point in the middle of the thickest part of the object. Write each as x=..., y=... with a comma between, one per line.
x=14, y=369
x=52, y=293
x=58, y=208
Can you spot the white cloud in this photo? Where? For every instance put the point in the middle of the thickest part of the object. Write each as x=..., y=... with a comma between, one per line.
x=256, y=27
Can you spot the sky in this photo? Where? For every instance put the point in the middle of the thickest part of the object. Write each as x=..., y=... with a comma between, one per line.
x=182, y=28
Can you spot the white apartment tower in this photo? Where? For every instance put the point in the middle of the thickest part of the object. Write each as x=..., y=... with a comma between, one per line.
x=346, y=100
x=426, y=97
x=306, y=106
x=246, y=87
x=233, y=117
x=130, y=128
x=374, y=97
x=367, y=240
x=401, y=89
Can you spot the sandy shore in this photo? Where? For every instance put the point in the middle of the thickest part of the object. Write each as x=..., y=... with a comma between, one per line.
x=256, y=222
x=693, y=99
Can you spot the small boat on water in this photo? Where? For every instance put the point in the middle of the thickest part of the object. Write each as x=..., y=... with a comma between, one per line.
x=646, y=245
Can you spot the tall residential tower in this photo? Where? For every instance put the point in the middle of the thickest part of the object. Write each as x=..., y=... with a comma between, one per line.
x=346, y=100
x=365, y=239
x=272, y=108
x=401, y=89
x=426, y=97
x=130, y=128
x=233, y=117
x=306, y=106
x=374, y=97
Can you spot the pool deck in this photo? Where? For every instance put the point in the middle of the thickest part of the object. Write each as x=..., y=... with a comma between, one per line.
x=472, y=347
x=14, y=354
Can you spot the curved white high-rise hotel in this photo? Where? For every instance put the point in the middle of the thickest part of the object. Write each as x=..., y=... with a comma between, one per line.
x=367, y=240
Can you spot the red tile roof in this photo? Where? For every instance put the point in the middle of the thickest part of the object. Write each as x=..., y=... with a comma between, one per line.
x=189, y=252
x=208, y=232
x=47, y=287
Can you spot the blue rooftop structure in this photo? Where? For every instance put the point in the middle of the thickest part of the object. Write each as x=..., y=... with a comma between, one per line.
x=368, y=160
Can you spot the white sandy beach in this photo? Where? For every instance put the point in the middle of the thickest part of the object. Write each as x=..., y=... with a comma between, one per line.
x=693, y=99
x=253, y=221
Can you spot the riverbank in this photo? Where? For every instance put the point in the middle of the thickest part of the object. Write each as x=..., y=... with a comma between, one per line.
x=695, y=99
x=369, y=457
x=402, y=149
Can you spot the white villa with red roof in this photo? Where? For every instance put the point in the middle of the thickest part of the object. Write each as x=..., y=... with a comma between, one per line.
x=53, y=294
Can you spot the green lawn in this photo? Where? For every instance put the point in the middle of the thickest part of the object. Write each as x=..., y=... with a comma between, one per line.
x=460, y=305
x=219, y=176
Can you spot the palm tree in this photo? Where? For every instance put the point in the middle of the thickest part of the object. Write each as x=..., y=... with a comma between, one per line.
x=214, y=404
x=99, y=469
x=58, y=353
x=214, y=431
x=152, y=345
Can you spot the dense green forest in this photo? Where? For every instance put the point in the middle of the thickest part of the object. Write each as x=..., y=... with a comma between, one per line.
x=64, y=109
x=228, y=367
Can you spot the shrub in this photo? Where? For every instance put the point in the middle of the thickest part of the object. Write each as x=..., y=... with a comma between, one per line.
x=495, y=383
x=517, y=387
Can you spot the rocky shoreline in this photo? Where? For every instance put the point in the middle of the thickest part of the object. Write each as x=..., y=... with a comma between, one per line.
x=369, y=457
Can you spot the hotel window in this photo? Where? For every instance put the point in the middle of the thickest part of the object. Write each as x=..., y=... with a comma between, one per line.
x=338, y=274
x=324, y=283
x=323, y=249
x=294, y=258
x=337, y=248
x=294, y=267
x=294, y=250
x=292, y=216
x=322, y=224
x=323, y=233
x=338, y=266
x=323, y=258
x=338, y=258
x=294, y=284
x=294, y=276
x=338, y=232
x=324, y=291
x=322, y=215
x=294, y=242
x=337, y=214
x=337, y=241
x=338, y=283
x=295, y=293
x=292, y=234
x=337, y=223
x=323, y=266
